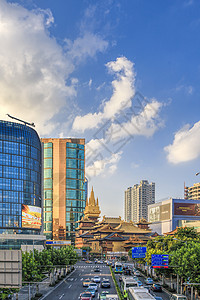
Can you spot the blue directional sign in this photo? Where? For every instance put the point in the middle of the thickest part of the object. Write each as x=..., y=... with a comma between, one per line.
x=160, y=260
x=139, y=252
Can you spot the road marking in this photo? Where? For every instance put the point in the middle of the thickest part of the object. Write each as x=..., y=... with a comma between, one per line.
x=98, y=296
x=70, y=286
x=75, y=279
x=61, y=296
x=81, y=279
x=56, y=286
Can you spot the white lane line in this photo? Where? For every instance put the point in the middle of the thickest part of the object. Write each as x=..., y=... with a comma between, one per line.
x=75, y=279
x=70, y=286
x=98, y=296
x=81, y=279
x=61, y=296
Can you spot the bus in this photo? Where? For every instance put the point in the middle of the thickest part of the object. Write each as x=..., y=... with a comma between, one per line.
x=139, y=293
x=118, y=267
x=127, y=282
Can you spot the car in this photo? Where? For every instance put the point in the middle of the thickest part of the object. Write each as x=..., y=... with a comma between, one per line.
x=88, y=262
x=91, y=290
x=94, y=286
x=158, y=298
x=101, y=262
x=149, y=281
x=109, y=263
x=156, y=287
x=127, y=272
x=98, y=261
x=96, y=279
x=103, y=294
x=139, y=283
x=147, y=287
x=97, y=270
x=86, y=282
x=83, y=259
x=105, y=283
x=85, y=296
x=137, y=273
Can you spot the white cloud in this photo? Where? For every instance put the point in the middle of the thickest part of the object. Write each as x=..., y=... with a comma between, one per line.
x=186, y=144
x=123, y=91
x=34, y=68
x=87, y=45
x=104, y=166
x=90, y=83
x=146, y=123
x=188, y=89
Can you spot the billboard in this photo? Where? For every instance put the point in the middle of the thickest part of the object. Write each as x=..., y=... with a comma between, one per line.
x=165, y=212
x=187, y=209
x=159, y=213
x=31, y=216
x=154, y=214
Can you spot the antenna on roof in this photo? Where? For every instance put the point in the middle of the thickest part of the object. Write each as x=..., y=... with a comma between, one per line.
x=26, y=123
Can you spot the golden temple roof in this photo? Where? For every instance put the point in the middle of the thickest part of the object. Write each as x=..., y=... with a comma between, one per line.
x=129, y=227
x=92, y=207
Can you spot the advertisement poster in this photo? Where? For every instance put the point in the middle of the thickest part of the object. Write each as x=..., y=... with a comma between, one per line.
x=188, y=209
x=31, y=216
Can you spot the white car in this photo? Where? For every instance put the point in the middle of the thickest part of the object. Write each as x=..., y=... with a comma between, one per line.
x=96, y=279
x=137, y=273
x=94, y=286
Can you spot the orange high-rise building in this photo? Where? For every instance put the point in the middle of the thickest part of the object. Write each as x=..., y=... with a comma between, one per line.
x=64, y=186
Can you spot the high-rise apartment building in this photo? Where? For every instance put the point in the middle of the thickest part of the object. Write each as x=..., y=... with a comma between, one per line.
x=64, y=186
x=137, y=199
x=193, y=192
x=20, y=187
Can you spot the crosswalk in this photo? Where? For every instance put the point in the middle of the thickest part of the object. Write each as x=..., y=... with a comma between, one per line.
x=81, y=267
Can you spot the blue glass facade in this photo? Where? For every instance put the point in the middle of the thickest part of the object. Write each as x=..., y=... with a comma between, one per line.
x=75, y=186
x=20, y=175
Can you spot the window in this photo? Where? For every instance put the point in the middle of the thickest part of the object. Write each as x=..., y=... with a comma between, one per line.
x=48, y=163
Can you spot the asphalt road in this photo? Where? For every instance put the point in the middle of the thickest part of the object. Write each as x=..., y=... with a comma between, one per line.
x=162, y=294
x=72, y=287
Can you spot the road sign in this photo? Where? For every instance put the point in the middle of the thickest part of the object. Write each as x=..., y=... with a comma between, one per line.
x=139, y=252
x=160, y=261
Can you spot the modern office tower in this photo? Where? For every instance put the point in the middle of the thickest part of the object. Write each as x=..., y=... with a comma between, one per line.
x=137, y=199
x=64, y=186
x=128, y=205
x=193, y=192
x=20, y=187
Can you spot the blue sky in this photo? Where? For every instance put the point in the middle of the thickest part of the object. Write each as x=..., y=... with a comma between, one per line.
x=123, y=74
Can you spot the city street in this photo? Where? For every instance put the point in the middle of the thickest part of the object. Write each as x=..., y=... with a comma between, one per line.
x=72, y=287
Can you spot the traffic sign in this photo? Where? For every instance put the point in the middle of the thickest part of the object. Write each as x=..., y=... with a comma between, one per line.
x=139, y=252
x=160, y=260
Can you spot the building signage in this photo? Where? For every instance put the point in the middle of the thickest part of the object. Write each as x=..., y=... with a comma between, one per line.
x=57, y=243
x=159, y=213
x=139, y=252
x=188, y=209
x=31, y=216
x=160, y=260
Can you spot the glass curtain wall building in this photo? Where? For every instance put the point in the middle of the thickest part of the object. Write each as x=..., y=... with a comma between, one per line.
x=20, y=185
x=64, y=186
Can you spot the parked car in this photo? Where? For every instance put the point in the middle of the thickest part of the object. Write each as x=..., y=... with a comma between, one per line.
x=96, y=279
x=149, y=281
x=91, y=290
x=86, y=282
x=85, y=296
x=103, y=294
x=105, y=283
x=158, y=298
x=94, y=286
x=127, y=272
x=156, y=287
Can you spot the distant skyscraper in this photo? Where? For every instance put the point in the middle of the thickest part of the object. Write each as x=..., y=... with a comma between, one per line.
x=64, y=186
x=193, y=192
x=137, y=199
